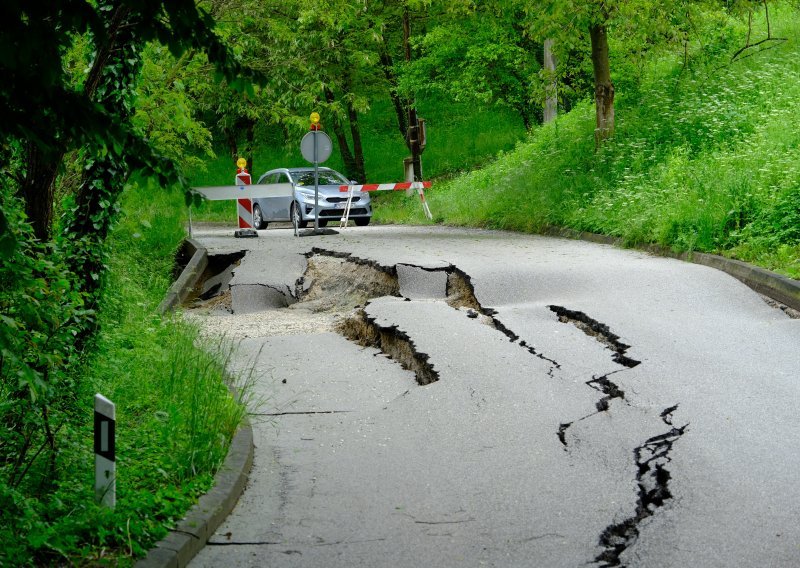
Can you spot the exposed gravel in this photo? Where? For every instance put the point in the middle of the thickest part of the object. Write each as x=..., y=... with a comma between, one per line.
x=337, y=287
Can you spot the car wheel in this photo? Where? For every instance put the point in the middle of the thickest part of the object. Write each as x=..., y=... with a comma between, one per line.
x=258, y=218
x=362, y=221
x=297, y=219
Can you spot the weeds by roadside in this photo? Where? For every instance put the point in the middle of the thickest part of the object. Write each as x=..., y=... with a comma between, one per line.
x=175, y=414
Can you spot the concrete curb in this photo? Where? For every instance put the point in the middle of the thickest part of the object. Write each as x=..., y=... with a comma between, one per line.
x=780, y=288
x=201, y=521
x=180, y=289
x=187, y=539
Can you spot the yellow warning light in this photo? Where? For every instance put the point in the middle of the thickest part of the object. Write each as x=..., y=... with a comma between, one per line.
x=314, y=118
x=241, y=163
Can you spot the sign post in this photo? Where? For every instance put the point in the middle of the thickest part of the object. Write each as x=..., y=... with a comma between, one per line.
x=105, y=464
x=316, y=147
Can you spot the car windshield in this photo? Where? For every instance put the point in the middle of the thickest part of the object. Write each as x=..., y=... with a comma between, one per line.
x=326, y=177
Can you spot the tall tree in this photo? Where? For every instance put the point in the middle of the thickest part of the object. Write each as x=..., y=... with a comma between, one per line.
x=603, y=86
x=568, y=21
x=40, y=108
x=479, y=53
x=551, y=82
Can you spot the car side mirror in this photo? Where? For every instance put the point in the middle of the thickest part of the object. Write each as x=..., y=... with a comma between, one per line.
x=353, y=182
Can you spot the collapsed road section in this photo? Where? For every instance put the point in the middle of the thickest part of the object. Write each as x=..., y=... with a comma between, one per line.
x=341, y=287
x=468, y=469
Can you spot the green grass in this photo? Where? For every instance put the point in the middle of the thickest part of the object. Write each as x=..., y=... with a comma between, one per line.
x=706, y=159
x=175, y=415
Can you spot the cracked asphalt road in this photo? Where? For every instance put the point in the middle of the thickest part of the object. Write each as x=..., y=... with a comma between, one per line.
x=595, y=407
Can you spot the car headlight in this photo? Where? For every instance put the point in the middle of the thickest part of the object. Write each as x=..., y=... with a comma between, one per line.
x=306, y=194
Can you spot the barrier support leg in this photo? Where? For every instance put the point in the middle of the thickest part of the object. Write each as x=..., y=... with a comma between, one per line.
x=346, y=218
x=425, y=207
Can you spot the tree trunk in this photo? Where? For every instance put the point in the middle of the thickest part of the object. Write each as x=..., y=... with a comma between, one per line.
x=551, y=87
x=38, y=186
x=358, y=149
x=344, y=148
x=603, y=87
x=104, y=178
x=400, y=106
x=413, y=134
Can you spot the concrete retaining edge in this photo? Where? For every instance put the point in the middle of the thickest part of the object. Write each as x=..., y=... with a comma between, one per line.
x=776, y=286
x=180, y=289
x=183, y=542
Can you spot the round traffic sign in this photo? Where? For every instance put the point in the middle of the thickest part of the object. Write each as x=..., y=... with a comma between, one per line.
x=316, y=146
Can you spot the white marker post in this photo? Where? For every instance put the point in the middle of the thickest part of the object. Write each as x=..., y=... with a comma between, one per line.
x=105, y=465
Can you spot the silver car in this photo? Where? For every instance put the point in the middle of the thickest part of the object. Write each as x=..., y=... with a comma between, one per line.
x=332, y=202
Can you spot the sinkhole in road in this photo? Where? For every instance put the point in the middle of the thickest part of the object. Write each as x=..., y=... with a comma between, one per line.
x=340, y=282
x=213, y=286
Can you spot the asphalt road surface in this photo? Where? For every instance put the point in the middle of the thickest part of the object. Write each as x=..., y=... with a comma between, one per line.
x=505, y=400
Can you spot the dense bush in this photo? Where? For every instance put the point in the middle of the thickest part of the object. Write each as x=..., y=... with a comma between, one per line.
x=175, y=415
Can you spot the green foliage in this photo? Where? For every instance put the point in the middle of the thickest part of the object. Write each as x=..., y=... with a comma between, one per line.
x=478, y=57
x=704, y=159
x=174, y=413
x=40, y=312
x=166, y=113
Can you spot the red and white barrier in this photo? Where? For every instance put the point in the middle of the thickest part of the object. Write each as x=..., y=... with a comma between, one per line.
x=385, y=186
x=244, y=205
x=409, y=186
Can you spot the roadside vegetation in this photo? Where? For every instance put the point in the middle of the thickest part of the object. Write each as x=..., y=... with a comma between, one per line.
x=109, y=111
x=704, y=158
x=175, y=415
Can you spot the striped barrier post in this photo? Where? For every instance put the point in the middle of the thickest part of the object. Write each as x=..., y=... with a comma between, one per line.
x=409, y=187
x=105, y=461
x=244, y=206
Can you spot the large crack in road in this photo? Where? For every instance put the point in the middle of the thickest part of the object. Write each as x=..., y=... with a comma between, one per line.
x=652, y=479
x=338, y=287
x=650, y=458
x=611, y=341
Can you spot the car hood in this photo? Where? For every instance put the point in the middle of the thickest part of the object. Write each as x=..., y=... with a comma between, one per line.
x=328, y=190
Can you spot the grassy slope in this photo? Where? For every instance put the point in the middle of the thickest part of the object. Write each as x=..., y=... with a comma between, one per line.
x=706, y=159
x=175, y=415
